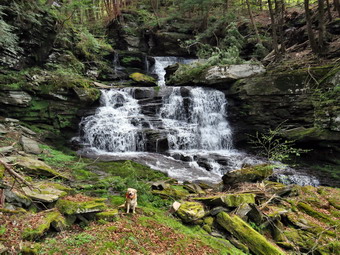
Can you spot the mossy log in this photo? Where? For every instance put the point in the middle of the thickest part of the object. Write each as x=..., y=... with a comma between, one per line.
x=247, y=235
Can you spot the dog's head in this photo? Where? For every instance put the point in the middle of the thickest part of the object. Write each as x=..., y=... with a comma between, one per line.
x=131, y=193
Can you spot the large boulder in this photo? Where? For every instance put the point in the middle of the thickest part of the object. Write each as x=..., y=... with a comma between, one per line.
x=228, y=73
x=42, y=223
x=29, y=145
x=80, y=204
x=191, y=211
x=248, y=174
x=228, y=200
x=256, y=242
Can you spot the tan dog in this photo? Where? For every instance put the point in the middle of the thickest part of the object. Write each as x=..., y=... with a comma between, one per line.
x=131, y=200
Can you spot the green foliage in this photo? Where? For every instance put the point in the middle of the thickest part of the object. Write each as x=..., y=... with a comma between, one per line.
x=90, y=47
x=80, y=239
x=272, y=146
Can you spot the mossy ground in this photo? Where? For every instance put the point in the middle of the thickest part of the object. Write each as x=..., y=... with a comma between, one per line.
x=152, y=231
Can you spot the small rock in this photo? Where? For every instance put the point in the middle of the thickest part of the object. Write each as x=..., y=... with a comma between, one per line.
x=29, y=145
x=161, y=185
x=175, y=206
x=11, y=120
x=217, y=210
x=27, y=130
x=3, y=129
x=6, y=150
x=242, y=210
x=194, y=188
x=17, y=198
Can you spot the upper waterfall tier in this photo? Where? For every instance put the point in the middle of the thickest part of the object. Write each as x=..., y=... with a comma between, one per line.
x=163, y=62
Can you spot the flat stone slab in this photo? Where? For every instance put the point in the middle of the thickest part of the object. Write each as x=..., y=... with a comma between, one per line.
x=227, y=73
x=46, y=192
x=228, y=200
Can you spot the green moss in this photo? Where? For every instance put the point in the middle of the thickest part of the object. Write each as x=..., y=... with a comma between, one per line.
x=209, y=221
x=229, y=200
x=37, y=167
x=43, y=226
x=111, y=215
x=129, y=60
x=191, y=211
x=207, y=228
x=175, y=192
x=143, y=79
x=310, y=211
x=2, y=171
x=73, y=207
x=247, y=235
x=128, y=169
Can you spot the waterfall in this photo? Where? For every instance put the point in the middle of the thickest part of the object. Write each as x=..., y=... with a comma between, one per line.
x=190, y=121
x=198, y=124
x=117, y=124
x=163, y=62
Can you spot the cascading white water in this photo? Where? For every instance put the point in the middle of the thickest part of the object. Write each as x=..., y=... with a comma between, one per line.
x=162, y=62
x=200, y=124
x=193, y=119
x=116, y=125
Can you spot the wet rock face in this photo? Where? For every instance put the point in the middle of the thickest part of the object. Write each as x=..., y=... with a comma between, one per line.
x=35, y=34
x=257, y=103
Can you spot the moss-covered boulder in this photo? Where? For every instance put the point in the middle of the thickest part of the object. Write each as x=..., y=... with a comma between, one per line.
x=191, y=211
x=228, y=200
x=42, y=222
x=174, y=192
x=47, y=192
x=36, y=167
x=109, y=215
x=79, y=204
x=247, y=235
x=143, y=80
x=305, y=241
x=248, y=174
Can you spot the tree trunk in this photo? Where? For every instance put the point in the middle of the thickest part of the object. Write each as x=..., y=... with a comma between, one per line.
x=274, y=32
x=311, y=37
x=49, y=2
x=253, y=22
x=337, y=6
x=322, y=28
x=279, y=9
x=226, y=6
x=329, y=10
x=2, y=198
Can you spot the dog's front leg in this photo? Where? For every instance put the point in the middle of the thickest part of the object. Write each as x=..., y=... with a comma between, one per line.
x=127, y=207
x=134, y=208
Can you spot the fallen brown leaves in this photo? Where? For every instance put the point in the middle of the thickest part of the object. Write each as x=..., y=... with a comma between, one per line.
x=130, y=235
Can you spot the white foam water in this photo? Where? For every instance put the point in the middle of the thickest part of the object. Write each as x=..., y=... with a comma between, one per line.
x=116, y=125
x=163, y=62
